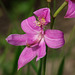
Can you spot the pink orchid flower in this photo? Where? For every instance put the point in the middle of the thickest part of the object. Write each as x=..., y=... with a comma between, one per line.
x=71, y=9
x=35, y=39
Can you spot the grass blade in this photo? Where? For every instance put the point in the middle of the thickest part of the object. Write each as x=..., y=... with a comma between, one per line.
x=61, y=67
x=34, y=66
x=17, y=54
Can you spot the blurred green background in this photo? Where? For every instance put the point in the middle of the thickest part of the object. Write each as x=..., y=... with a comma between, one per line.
x=59, y=61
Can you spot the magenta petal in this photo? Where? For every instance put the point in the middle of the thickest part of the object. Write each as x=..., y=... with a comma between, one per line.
x=32, y=39
x=43, y=13
x=26, y=56
x=41, y=52
x=54, y=38
x=71, y=9
x=29, y=25
x=16, y=39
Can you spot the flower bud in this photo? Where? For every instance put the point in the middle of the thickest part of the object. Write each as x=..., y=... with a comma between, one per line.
x=48, y=0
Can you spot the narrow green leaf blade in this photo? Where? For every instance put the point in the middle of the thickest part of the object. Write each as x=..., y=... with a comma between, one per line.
x=61, y=67
x=33, y=66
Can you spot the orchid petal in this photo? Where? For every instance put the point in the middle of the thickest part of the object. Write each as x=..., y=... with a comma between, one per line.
x=17, y=39
x=41, y=52
x=54, y=38
x=71, y=9
x=32, y=40
x=29, y=25
x=43, y=13
x=26, y=56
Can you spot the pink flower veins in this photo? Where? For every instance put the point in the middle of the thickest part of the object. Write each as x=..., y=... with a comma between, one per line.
x=35, y=38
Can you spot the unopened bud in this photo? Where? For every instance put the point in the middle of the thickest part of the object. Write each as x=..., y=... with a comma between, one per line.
x=48, y=0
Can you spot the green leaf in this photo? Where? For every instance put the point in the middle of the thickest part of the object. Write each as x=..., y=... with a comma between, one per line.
x=61, y=67
x=34, y=66
x=69, y=44
x=39, y=67
x=17, y=54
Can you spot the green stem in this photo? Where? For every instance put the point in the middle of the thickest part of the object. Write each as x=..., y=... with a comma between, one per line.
x=44, y=61
x=56, y=13
x=39, y=67
x=54, y=5
x=60, y=8
x=48, y=4
x=45, y=58
x=52, y=24
x=52, y=21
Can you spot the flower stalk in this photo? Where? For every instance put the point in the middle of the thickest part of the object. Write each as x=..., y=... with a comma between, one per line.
x=39, y=67
x=45, y=58
x=51, y=27
x=44, y=64
x=60, y=8
x=54, y=6
x=56, y=13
